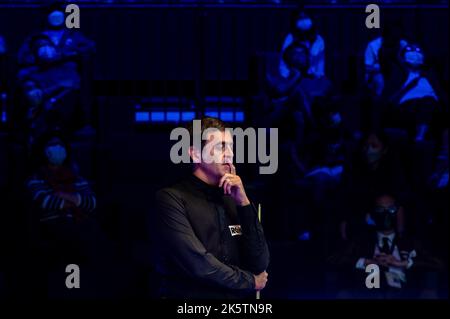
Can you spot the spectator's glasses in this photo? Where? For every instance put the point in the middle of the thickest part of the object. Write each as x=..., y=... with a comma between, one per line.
x=410, y=48
x=382, y=209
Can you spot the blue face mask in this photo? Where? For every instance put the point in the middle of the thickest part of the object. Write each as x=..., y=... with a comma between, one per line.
x=47, y=53
x=56, y=154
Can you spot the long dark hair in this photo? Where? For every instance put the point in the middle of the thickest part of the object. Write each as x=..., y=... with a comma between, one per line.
x=389, y=53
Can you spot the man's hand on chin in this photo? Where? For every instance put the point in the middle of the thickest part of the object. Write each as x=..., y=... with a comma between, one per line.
x=232, y=185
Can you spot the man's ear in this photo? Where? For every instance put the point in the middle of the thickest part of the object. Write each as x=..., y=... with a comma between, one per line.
x=195, y=154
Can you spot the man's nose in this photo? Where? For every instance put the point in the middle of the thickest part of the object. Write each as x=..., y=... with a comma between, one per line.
x=229, y=151
x=228, y=154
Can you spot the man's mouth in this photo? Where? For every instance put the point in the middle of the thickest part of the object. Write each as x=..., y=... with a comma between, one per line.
x=228, y=167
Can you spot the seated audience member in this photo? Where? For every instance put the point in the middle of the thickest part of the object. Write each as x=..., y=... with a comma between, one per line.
x=375, y=167
x=381, y=58
x=413, y=105
x=50, y=91
x=405, y=266
x=303, y=31
x=62, y=202
x=70, y=44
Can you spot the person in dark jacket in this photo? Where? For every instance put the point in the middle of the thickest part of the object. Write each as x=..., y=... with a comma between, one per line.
x=404, y=264
x=375, y=167
x=210, y=242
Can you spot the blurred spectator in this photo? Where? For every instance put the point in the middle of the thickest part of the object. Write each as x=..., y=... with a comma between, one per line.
x=376, y=166
x=303, y=31
x=56, y=189
x=50, y=94
x=381, y=58
x=413, y=105
x=58, y=61
x=294, y=98
x=406, y=268
x=69, y=44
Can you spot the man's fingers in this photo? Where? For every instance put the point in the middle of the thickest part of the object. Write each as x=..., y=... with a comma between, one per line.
x=225, y=177
x=222, y=179
x=224, y=185
x=229, y=186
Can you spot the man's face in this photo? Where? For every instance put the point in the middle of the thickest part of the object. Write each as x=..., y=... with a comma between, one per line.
x=217, y=154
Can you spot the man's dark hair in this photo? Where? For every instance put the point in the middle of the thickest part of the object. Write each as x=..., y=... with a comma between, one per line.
x=206, y=123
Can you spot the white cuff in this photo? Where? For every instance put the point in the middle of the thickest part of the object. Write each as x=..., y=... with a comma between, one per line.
x=412, y=254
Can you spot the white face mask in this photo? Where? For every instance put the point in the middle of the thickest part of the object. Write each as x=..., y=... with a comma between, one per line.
x=56, y=154
x=56, y=18
x=304, y=24
x=414, y=58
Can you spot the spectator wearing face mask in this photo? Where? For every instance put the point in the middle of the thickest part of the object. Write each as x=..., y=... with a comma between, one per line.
x=65, y=230
x=413, y=105
x=375, y=166
x=69, y=43
x=403, y=262
x=57, y=191
x=50, y=91
x=303, y=31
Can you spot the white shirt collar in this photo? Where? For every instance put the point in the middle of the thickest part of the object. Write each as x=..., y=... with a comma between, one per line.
x=380, y=237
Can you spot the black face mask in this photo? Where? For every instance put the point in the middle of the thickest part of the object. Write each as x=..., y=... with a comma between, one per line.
x=385, y=218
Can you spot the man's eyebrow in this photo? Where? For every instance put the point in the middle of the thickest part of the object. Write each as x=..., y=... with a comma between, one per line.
x=223, y=143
